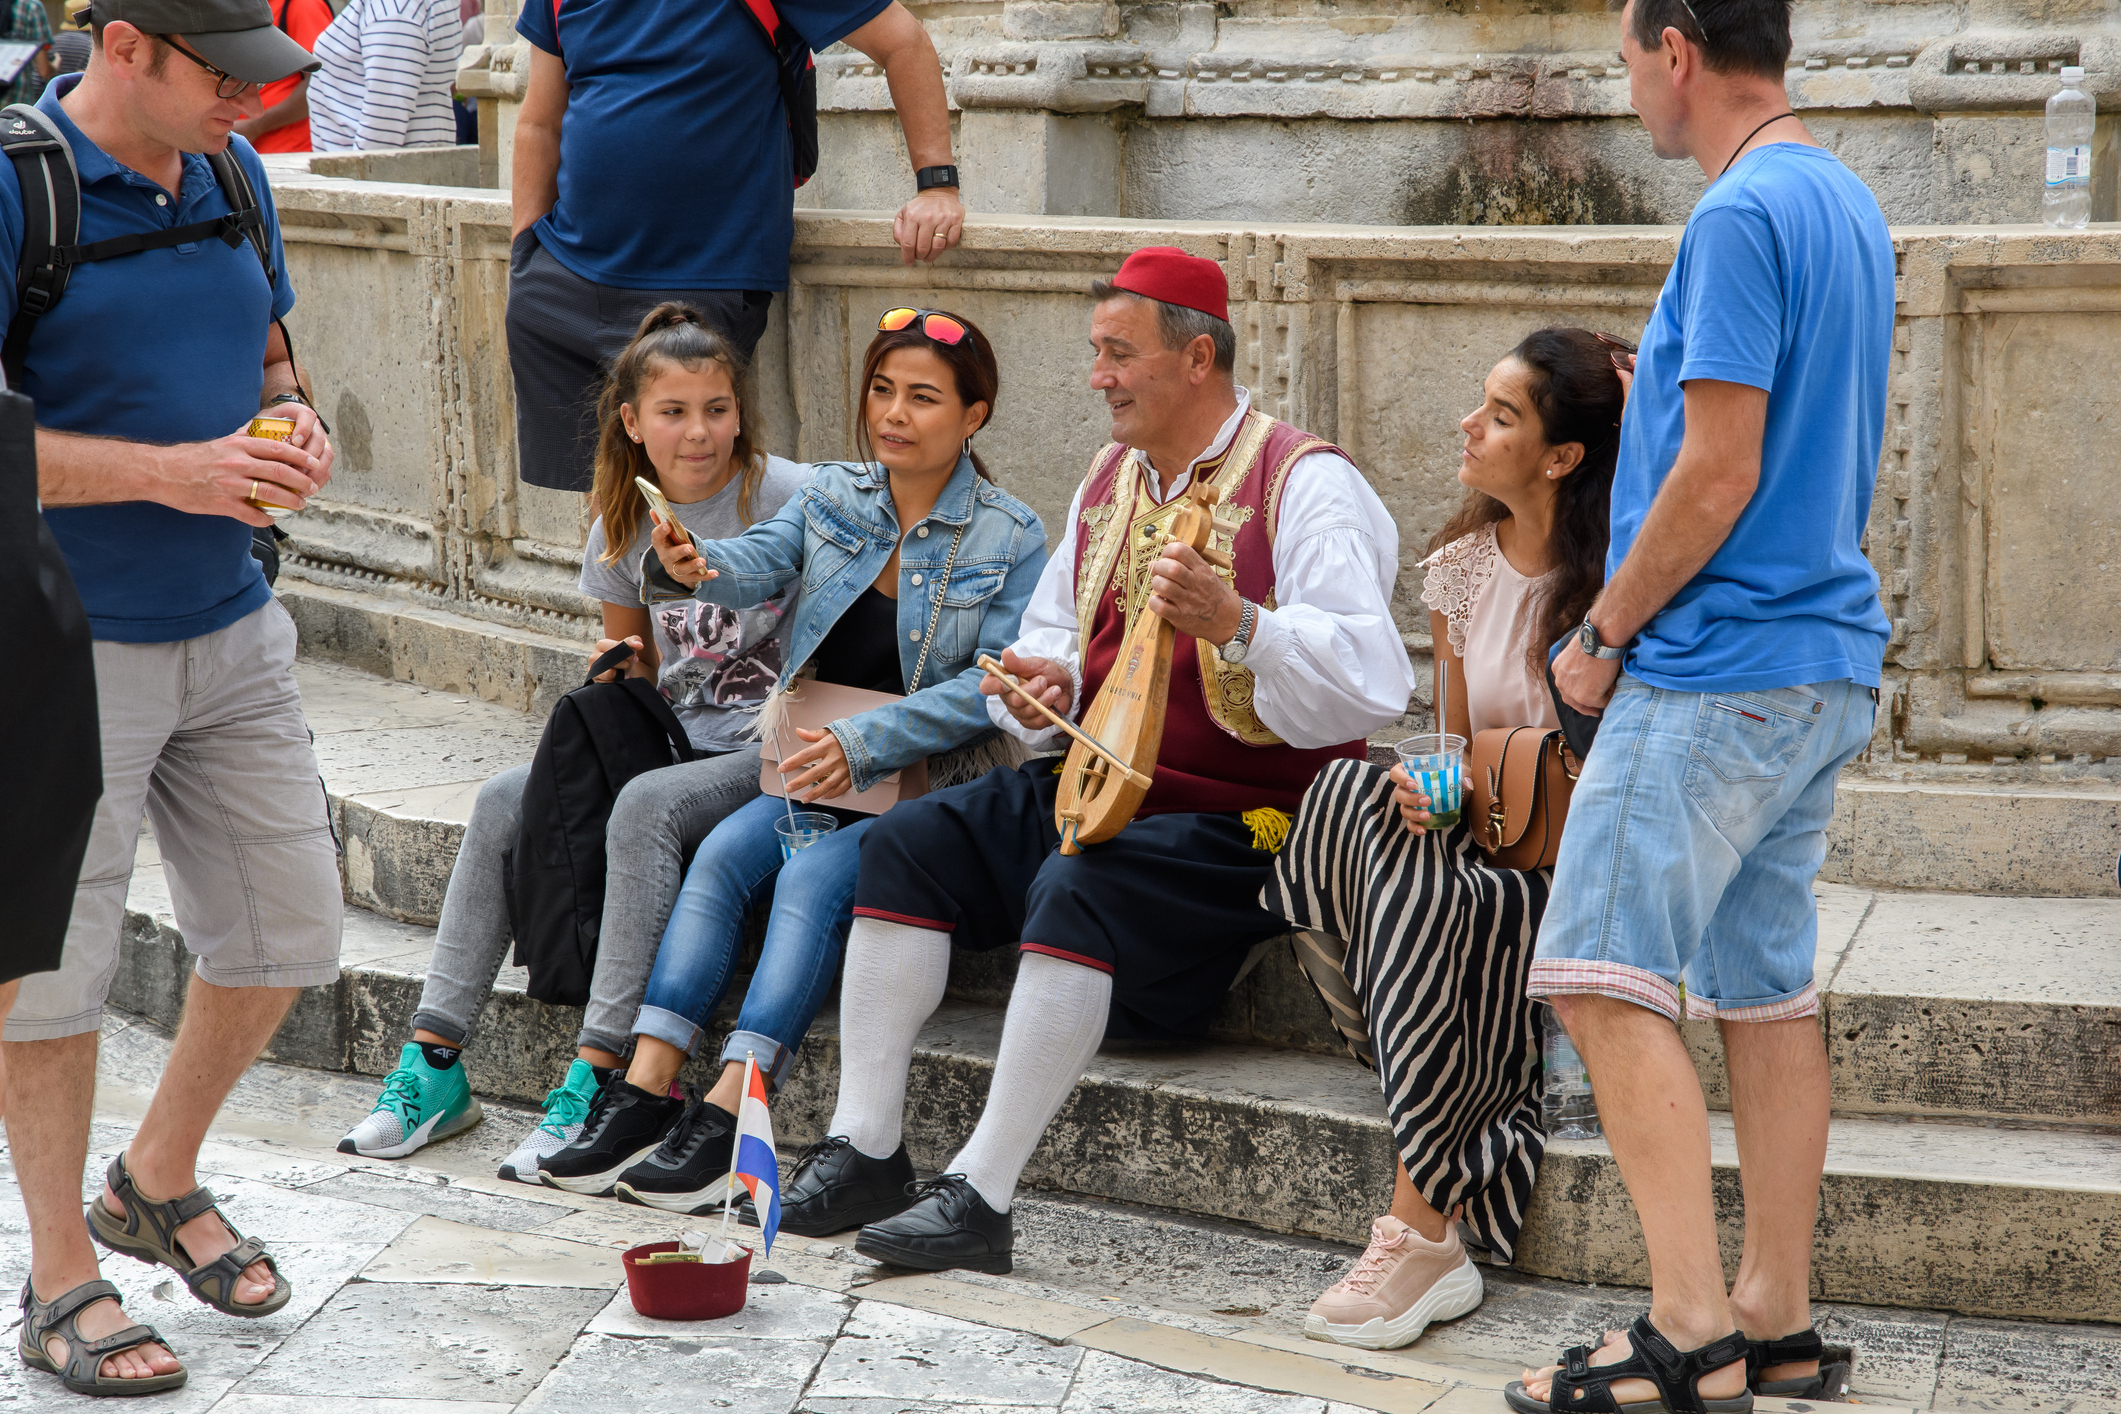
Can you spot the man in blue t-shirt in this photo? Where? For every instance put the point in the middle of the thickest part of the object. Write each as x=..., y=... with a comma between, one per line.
x=146, y=374
x=1735, y=655
x=653, y=162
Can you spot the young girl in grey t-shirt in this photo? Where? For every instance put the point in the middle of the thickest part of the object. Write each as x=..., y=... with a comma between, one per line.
x=672, y=412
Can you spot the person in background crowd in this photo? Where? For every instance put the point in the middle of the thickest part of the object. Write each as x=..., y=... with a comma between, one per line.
x=200, y=719
x=709, y=219
x=1735, y=653
x=673, y=412
x=26, y=21
x=70, y=47
x=390, y=67
x=907, y=615
x=284, y=125
x=1439, y=936
x=472, y=15
x=1283, y=663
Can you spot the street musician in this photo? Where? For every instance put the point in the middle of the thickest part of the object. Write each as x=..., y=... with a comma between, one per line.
x=1284, y=656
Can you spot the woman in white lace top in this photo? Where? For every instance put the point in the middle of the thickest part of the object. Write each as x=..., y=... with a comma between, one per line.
x=1418, y=943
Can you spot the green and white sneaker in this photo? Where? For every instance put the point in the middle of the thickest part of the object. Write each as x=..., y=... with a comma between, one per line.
x=565, y=1110
x=419, y=1105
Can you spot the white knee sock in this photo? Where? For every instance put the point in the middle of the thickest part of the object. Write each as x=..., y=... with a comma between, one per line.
x=1056, y=1021
x=892, y=984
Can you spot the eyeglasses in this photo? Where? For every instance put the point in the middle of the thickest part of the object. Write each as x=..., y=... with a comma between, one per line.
x=1699, y=28
x=936, y=325
x=229, y=87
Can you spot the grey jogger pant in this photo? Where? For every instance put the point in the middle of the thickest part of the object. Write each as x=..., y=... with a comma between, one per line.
x=657, y=820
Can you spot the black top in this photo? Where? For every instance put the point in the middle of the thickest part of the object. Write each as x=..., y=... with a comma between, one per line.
x=861, y=649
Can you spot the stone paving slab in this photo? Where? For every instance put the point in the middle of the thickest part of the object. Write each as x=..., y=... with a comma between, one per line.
x=366, y=1336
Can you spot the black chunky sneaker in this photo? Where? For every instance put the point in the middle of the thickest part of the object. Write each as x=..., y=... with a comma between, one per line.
x=948, y=1228
x=624, y=1127
x=689, y=1171
x=836, y=1186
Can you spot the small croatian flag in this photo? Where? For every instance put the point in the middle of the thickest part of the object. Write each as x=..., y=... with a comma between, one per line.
x=756, y=1166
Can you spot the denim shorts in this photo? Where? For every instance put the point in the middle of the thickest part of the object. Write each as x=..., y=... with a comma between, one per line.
x=1692, y=842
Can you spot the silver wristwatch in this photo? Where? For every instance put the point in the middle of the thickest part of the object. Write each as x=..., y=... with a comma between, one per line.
x=1240, y=642
x=1587, y=639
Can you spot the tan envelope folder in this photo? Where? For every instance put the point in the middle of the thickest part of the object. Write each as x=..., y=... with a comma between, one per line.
x=811, y=704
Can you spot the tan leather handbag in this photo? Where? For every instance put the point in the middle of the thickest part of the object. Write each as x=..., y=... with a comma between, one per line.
x=1518, y=784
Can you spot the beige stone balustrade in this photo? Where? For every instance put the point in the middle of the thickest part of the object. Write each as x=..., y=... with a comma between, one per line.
x=1996, y=528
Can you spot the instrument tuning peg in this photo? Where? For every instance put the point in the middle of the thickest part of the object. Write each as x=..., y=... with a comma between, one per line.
x=1217, y=558
x=1227, y=527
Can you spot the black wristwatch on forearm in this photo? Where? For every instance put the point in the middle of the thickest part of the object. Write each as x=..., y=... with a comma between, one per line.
x=926, y=177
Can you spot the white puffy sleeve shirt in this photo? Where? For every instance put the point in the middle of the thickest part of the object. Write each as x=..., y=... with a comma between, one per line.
x=1328, y=662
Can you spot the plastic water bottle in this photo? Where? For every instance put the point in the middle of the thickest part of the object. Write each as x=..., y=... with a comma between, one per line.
x=2067, y=202
x=1565, y=1099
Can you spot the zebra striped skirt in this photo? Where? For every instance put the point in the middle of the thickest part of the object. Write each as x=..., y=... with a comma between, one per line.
x=1439, y=943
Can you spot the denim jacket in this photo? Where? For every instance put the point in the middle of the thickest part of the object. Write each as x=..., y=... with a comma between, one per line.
x=837, y=533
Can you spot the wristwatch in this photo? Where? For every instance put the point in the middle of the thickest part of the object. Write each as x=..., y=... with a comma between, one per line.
x=287, y=398
x=1240, y=642
x=1587, y=639
x=928, y=177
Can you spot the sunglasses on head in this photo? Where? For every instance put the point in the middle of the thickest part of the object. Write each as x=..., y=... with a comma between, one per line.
x=935, y=324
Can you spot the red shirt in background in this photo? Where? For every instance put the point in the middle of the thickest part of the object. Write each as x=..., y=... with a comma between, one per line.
x=303, y=20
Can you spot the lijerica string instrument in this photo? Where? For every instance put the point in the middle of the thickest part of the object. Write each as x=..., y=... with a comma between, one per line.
x=1110, y=766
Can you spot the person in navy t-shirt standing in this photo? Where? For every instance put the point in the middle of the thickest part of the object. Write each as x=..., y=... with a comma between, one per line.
x=1735, y=656
x=653, y=162
x=146, y=375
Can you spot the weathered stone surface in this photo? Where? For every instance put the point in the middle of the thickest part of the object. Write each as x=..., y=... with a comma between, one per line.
x=895, y=1353
x=406, y=1341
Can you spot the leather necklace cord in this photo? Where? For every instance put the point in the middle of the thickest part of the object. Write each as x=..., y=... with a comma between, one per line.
x=1748, y=138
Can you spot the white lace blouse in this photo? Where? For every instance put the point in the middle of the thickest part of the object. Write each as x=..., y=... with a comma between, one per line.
x=1470, y=582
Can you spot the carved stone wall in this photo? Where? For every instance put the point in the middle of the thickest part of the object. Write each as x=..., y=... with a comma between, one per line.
x=1425, y=112
x=1996, y=528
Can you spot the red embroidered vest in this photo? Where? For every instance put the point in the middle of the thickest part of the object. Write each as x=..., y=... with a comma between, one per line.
x=1217, y=756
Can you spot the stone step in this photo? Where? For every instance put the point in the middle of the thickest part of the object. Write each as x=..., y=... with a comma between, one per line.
x=2038, y=831
x=1981, y=1218
x=1939, y=1004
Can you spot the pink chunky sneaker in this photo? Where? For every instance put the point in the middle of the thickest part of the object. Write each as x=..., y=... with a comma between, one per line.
x=1401, y=1284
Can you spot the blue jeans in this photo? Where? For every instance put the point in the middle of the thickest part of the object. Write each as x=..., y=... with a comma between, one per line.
x=1693, y=839
x=813, y=903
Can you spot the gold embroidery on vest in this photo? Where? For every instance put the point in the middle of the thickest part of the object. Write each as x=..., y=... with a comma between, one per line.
x=1104, y=532
x=1227, y=688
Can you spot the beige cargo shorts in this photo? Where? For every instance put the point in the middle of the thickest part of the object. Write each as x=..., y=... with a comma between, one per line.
x=206, y=737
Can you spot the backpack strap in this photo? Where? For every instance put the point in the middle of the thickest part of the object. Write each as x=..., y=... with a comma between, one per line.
x=51, y=222
x=247, y=216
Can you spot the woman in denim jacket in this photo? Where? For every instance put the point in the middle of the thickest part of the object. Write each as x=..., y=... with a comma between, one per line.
x=912, y=565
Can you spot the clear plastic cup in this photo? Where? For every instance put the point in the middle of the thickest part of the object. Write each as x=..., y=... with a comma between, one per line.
x=801, y=830
x=1436, y=764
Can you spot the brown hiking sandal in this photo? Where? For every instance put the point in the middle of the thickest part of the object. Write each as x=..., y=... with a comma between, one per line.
x=148, y=1233
x=83, y=1371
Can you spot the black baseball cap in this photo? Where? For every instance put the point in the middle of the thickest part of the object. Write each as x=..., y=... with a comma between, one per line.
x=235, y=36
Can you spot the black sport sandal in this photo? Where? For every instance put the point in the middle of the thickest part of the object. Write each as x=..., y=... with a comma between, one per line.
x=1831, y=1384
x=1579, y=1387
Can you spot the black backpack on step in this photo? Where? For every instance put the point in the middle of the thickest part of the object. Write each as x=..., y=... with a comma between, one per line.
x=599, y=737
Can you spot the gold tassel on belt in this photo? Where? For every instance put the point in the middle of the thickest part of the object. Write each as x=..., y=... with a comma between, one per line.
x=1270, y=828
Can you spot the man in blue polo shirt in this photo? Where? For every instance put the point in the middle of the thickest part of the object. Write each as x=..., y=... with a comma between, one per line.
x=145, y=376
x=653, y=162
x=1735, y=654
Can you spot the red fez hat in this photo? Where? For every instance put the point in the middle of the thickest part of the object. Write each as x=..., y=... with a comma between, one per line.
x=1166, y=273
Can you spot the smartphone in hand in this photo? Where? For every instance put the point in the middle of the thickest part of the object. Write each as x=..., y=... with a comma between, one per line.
x=654, y=493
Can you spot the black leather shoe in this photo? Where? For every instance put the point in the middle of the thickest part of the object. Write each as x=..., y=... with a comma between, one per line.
x=948, y=1228
x=836, y=1187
